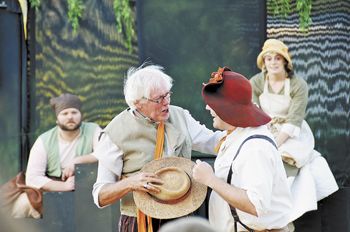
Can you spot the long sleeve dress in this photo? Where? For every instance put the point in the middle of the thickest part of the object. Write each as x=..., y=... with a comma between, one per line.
x=314, y=180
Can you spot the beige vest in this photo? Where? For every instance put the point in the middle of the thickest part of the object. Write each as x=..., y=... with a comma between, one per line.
x=136, y=137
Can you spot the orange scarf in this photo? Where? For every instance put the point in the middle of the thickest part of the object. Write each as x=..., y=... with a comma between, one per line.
x=142, y=226
x=217, y=147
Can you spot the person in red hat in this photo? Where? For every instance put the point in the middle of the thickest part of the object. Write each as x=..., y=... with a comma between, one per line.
x=250, y=189
x=284, y=96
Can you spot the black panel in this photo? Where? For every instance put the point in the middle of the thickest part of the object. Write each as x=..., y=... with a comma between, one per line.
x=10, y=89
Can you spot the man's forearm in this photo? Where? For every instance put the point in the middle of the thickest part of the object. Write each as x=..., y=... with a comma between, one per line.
x=84, y=159
x=57, y=186
x=110, y=193
x=236, y=197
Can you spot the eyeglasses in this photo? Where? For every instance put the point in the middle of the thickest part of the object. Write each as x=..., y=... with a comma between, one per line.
x=160, y=99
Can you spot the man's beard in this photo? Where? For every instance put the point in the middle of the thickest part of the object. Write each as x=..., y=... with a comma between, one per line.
x=64, y=128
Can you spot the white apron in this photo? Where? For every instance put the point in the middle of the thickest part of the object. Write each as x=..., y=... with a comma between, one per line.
x=315, y=180
x=276, y=106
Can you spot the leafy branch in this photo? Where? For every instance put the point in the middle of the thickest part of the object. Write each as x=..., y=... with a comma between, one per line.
x=280, y=7
x=75, y=11
x=35, y=3
x=125, y=20
x=304, y=9
x=123, y=12
x=283, y=8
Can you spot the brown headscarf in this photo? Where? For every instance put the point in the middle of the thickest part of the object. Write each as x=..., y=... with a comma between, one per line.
x=64, y=101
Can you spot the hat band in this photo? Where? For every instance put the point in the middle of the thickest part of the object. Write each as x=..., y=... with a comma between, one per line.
x=174, y=201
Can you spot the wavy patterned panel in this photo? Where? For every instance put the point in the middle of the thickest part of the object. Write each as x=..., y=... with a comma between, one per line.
x=322, y=57
x=91, y=64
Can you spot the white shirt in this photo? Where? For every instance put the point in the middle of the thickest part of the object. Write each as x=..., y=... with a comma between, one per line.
x=258, y=169
x=37, y=163
x=110, y=156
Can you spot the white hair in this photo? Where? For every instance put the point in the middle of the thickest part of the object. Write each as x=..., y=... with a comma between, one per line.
x=141, y=81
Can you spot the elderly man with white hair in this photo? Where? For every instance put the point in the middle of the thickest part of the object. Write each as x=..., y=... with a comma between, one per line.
x=149, y=129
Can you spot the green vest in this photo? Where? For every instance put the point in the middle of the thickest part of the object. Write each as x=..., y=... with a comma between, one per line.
x=50, y=140
x=136, y=137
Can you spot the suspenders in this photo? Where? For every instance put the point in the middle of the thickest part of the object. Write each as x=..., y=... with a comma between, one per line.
x=229, y=176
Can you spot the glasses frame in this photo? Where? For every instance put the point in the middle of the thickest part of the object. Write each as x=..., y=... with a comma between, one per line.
x=160, y=99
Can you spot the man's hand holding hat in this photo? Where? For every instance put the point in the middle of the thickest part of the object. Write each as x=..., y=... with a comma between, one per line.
x=180, y=194
x=145, y=182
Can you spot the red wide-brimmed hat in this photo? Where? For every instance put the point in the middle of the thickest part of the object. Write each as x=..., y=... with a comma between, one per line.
x=229, y=94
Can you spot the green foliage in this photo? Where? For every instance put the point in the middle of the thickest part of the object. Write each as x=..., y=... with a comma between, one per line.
x=283, y=8
x=34, y=3
x=304, y=9
x=75, y=11
x=125, y=20
x=280, y=7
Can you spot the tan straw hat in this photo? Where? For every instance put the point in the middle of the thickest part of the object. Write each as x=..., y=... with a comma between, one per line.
x=180, y=194
x=277, y=46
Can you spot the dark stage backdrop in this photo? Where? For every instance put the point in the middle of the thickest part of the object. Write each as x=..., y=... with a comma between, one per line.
x=193, y=38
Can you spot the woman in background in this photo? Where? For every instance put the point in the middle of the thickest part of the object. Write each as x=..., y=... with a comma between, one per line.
x=284, y=96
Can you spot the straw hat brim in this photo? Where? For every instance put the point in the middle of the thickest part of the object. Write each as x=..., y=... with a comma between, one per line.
x=193, y=200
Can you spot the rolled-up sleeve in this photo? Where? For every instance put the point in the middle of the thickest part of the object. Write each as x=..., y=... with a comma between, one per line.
x=110, y=165
x=260, y=184
x=36, y=167
x=203, y=139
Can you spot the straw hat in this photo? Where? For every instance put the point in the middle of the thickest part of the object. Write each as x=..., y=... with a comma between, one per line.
x=277, y=46
x=229, y=94
x=180, y=194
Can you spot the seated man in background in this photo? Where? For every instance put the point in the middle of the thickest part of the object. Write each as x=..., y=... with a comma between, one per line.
x=55, y=153
x=52, y=160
